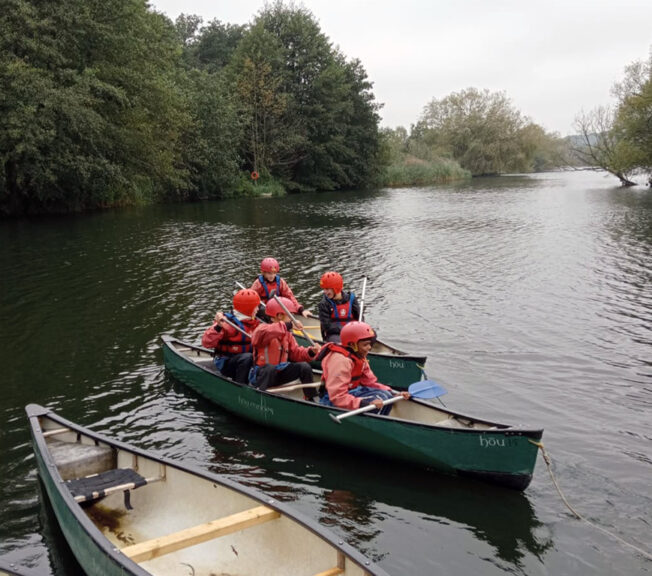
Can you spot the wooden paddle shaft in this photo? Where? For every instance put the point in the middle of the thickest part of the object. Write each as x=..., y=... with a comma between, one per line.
x=225, y=319
x=294, y=320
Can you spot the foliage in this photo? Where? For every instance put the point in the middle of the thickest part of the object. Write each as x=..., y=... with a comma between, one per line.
x=633, y=121
x=310, y=114
x=109, y=103
x=410, y=163
x=416, y=172
x=619, y=140
x=89, y=115
x=601, y=146
x=484, y=133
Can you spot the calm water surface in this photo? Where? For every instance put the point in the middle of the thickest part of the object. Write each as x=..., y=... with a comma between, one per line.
x=531, y=296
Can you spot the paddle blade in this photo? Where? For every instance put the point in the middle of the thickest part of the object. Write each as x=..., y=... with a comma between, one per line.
x=426, y=389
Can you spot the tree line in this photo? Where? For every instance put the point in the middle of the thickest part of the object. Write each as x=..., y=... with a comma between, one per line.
x=109, y=103
x=480, y=131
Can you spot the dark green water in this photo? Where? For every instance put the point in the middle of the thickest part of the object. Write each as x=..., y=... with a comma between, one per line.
x=531, y=296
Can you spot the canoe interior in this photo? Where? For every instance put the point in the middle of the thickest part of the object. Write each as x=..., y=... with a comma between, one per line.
x=428, y=412
x=314, y=331
x=181, y=518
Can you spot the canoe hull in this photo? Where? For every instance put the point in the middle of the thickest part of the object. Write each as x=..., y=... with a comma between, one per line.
x=179, y=516
x=505, y=456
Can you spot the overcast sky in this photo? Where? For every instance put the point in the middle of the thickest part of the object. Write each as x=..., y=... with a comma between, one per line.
x=553, y=58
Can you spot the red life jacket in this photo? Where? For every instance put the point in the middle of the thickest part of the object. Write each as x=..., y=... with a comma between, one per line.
x=269, y=286
x=236, y=343
x=358, y=363
x=342, y=312
x=275, y=352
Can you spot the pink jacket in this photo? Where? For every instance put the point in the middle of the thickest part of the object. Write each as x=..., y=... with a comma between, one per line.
x=337, y=372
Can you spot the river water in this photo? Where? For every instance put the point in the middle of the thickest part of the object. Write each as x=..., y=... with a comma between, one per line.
x=531, y=296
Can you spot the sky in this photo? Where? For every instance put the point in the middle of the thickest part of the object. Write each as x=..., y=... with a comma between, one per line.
x=553, y=59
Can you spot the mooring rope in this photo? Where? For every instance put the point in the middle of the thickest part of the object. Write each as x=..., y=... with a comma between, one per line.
x=548, y=462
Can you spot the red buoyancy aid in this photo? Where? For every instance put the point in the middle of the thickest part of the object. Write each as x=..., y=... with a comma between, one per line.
x=235, y=342
x=269, y=287
x=342, y=312
x=358, y=363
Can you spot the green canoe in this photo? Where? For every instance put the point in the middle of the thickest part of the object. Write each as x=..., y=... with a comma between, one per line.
x=390, y=365
x=416, y=431
x=126, y=512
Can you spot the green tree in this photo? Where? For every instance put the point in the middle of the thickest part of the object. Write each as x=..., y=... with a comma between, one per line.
x=633, y=119
x=601, y=146
x=311, y=109
x=477, y=128
x=89, y=113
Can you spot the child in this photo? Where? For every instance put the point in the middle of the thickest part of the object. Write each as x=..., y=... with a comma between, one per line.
x=337, y=308
x=269, y=281
x=349, y=381
x=233, y=356
x=278, y=358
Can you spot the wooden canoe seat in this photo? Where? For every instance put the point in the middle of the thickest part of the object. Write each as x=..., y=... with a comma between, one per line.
x=197, y=534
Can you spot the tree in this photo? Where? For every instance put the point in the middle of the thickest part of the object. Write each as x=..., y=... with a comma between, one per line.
x=479, y=129
x=90, y=113
x=602, y=147
x=311, y=114
x=633, y=119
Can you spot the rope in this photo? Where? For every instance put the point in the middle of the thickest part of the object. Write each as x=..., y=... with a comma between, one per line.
x=577, y=515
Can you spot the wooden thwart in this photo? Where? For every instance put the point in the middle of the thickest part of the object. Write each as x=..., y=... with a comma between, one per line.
x=331, y=572
x=197, y=534
x=55, y=431
x=292, y=387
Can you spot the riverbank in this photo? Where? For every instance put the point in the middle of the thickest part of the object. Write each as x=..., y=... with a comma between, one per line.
x=416, y=172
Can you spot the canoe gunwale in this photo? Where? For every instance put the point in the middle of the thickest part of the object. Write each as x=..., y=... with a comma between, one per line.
x=516, y=475
x=501, y=429
x=34, y=411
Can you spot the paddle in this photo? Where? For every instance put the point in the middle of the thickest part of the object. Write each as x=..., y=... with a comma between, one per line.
x=225, y=319
x=294, y=320
x=364, y=288
x=424, y=389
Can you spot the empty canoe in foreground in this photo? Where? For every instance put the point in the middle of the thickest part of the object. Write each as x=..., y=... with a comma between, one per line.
x=416, y=431
x=125, y=511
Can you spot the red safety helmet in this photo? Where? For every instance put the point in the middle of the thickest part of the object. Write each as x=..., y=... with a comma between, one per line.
x=331, y=280
x=273, y=307
x=269, y=265
x=353, y=332
x=246, y=301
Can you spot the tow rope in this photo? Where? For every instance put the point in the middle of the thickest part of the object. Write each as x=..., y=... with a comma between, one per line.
x=577, y=515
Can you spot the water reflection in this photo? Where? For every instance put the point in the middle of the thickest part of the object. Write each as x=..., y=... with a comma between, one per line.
x=531, y=297
x=356, y=494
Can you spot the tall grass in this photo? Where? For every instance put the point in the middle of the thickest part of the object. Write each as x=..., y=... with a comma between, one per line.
x=416, y=172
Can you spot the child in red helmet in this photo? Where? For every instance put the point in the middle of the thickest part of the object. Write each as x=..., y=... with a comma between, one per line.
x=349, y=381
x=278, y=358
x=337, y=308
x=233, y=350
x=269, y=282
